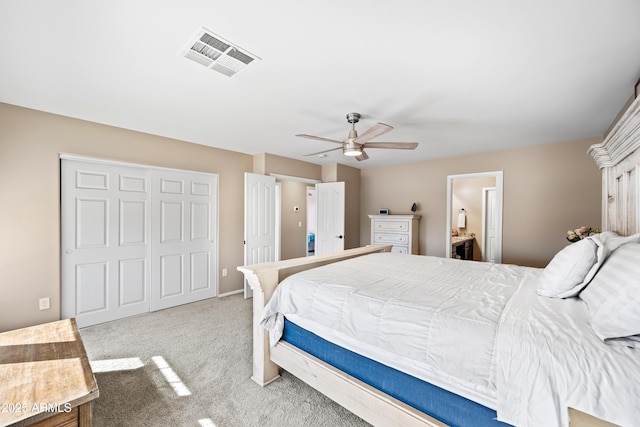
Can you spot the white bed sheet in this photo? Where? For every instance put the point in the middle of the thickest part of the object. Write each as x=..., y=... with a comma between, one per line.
x=549, y=359
x=433, y=318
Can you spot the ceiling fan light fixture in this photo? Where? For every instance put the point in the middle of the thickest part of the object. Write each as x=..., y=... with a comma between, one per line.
x=351, y=149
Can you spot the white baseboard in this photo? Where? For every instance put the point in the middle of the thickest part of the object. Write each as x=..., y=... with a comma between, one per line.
x=226, y=294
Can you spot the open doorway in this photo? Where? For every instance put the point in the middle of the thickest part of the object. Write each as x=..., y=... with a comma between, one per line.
x=295, y=216
x=466, y=222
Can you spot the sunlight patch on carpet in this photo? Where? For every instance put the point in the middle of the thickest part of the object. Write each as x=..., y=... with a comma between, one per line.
x=111, y=365
x=172, y=378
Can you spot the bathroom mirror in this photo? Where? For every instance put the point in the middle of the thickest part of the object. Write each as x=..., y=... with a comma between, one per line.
x=474, y=201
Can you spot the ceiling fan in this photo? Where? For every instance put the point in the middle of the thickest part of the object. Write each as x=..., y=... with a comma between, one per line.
x=354, y=145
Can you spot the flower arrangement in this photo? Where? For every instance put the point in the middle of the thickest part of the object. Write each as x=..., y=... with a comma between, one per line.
x=580, y=233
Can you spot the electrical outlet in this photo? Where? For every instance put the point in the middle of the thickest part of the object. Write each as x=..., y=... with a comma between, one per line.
x=224, y=272
x=44, y=303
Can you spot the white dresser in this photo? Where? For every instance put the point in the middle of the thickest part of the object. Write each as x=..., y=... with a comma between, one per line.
x=399, y=230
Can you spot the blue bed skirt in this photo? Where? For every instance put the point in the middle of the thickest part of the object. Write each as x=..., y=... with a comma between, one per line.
x=451, y=409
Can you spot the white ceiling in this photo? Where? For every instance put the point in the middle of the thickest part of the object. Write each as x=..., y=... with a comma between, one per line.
x=457, y=76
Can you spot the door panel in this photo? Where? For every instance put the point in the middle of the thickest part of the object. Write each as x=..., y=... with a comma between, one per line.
x=133, y=224
x=259, y=221
x=200, y=270
x=171, y=221
x=92, y=226
x=104, y=215
x=171, y=275
x=183, y=259
x=92, y=287
x=200, y=226
x=132, y=272
x=330, y=217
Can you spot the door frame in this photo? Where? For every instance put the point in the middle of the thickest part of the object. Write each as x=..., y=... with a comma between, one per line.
x=280, y=177
x=498, y=175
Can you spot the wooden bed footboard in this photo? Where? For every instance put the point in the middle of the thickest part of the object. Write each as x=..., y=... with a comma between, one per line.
x=264, y=279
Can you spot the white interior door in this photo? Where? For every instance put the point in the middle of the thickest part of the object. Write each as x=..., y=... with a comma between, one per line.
x=104, y=243
x=259, y=221
x=184, y=227
x=489, y=225
x=330, y=217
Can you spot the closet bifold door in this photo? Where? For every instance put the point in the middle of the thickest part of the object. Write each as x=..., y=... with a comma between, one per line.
x=104, y=241
x=135, y=239
x=183, y=226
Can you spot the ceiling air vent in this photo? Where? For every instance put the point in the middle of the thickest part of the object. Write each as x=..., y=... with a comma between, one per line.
x=216, y=53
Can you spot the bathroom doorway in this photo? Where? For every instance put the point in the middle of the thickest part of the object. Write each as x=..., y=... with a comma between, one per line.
x=454, y=208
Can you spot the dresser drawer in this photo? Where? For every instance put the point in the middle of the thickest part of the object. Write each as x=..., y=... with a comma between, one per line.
x=399, y=249
x=402, y=239
x=400, y=231
x=397, y=226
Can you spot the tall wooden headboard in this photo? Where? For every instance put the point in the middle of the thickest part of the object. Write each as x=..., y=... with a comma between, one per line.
x=619, y=158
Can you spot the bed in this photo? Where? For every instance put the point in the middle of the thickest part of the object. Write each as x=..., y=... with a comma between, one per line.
x=544, y=348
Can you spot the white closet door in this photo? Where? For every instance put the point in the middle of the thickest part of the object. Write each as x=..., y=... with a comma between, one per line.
x=105, y=248
x=184, y=226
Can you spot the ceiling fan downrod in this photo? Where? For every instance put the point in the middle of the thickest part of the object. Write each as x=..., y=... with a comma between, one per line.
x=352, y=118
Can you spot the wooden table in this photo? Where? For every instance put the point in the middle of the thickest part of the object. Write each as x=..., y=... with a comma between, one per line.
x=45, y=377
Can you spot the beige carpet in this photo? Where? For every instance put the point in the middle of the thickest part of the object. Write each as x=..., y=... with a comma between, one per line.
x=191, y=366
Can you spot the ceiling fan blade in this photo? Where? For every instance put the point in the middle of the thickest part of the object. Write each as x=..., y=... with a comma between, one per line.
x=393, y=145
x=322, y=152
x=319, y=138
x=362, y=156
x=375, y=130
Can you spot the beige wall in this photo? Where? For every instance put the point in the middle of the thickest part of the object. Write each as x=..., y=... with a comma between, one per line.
x=30, y=143
x=293, y=225
x=267, y=164
x=548, y=189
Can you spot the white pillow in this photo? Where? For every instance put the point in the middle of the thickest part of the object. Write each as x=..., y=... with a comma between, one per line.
x=610, y=241
x=613, y=297
x=570, y=273
x=565, y=275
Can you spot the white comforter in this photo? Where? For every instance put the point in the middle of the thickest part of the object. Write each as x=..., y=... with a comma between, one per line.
x=425, y=316
x=476, y=329
x=549, y=359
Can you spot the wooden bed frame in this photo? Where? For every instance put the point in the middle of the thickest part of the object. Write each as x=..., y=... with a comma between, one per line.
x=618, y=157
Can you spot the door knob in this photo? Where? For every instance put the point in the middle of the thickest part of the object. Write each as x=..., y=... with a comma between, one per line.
x=339, y=237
